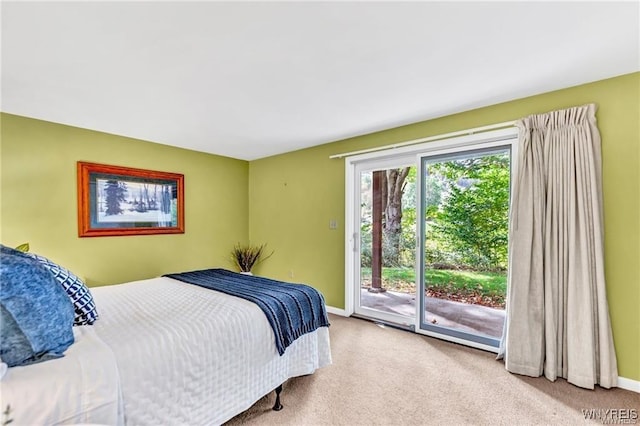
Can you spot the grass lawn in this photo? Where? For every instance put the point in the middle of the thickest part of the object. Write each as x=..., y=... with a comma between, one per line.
x=485, y=288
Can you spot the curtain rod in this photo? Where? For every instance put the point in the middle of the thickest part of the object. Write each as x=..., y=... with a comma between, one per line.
x=428, y=139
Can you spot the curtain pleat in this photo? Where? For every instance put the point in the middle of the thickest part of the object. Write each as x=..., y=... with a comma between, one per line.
x=557, y=314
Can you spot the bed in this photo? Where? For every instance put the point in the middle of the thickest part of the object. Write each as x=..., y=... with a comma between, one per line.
x=162, y=352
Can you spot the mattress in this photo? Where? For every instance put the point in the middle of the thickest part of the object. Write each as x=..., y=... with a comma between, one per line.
x=81, y=387
x=189, y=355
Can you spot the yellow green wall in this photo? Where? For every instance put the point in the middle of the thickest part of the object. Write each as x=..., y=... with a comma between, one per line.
x=292, y=198
x=39, y=202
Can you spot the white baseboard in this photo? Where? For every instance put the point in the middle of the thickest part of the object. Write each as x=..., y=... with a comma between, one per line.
x=629, y=384
x=337, y=311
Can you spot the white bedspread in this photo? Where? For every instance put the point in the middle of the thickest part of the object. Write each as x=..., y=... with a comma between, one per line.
x=189, y=355
x=81, y=387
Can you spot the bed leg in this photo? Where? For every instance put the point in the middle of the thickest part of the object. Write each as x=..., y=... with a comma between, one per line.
x=277, y=406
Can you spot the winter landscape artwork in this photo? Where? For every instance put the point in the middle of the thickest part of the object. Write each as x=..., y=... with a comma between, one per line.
x=114, y=200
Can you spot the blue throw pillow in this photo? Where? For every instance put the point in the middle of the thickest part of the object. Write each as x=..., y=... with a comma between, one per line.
x=36, y=316
x=84, y=305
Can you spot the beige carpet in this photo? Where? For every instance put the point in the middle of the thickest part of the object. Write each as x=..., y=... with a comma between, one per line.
x=384, y=376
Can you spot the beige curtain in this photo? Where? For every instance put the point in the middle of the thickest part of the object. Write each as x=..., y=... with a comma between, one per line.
x=557, y=314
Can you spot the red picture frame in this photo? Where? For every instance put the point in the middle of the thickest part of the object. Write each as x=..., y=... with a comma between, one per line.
x=116, y=200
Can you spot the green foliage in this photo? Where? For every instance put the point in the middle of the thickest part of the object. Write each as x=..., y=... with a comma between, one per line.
x=23, y=247
x=433, y=187
x=245, y=257
x=470, y=226
x=466, y=202
x=492, y=286
x=365, y=243
x=409, y=220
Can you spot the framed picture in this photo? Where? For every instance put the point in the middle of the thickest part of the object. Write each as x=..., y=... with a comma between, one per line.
x=115, y=200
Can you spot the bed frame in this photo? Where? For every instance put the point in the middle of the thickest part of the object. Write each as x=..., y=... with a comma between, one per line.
x=278, y=406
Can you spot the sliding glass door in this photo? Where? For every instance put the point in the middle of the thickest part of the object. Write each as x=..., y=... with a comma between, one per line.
x=464, y=228
x=427, y=236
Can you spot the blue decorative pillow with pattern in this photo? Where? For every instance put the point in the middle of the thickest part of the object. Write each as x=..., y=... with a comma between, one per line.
x=36, y=316
x=85, y=307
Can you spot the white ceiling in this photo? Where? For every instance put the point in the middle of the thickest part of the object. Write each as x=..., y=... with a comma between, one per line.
x=249, y=80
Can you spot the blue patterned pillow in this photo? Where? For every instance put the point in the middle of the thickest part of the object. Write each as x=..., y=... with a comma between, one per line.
x=36, y=316
x=85, y=307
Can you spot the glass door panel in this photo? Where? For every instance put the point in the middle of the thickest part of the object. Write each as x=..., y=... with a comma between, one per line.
x=464, y=239
x=387, y=233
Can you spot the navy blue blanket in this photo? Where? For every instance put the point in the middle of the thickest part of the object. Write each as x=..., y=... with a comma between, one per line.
x=292, y=309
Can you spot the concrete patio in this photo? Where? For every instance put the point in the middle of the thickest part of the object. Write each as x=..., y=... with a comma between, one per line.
x=460, y=316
